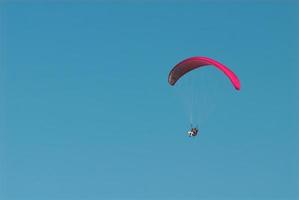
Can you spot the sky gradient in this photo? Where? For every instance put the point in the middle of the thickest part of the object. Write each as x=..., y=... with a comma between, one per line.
x=87, y=113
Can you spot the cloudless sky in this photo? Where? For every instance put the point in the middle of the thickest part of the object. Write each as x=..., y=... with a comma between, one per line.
x=87, y=113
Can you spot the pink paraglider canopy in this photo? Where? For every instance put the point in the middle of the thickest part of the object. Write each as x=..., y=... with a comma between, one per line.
x=195, y=62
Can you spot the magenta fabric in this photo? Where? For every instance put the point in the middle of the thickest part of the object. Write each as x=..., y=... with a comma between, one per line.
x=189, y=64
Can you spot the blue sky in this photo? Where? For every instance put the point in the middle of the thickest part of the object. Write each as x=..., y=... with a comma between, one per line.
x=86, y=111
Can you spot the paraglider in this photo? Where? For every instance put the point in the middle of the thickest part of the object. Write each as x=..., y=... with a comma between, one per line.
x=192, y=63
x=193, y=132
x=189, y=64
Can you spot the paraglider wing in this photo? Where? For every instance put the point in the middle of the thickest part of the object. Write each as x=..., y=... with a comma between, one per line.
x=195, y=62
